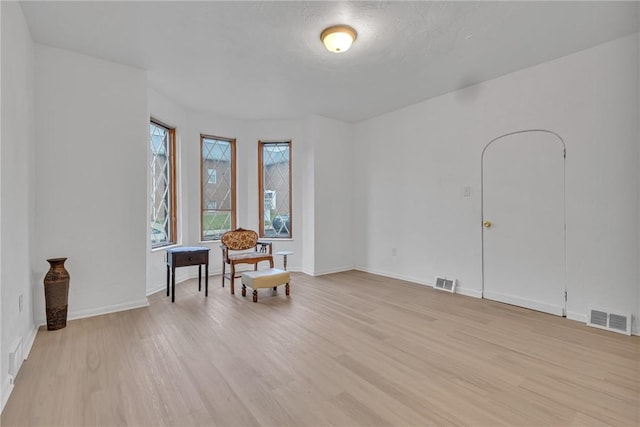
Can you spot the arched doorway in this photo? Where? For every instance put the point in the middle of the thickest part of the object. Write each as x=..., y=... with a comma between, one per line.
x=523, y=220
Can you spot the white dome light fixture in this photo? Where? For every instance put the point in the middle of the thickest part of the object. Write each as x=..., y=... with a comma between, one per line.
x=338, y=39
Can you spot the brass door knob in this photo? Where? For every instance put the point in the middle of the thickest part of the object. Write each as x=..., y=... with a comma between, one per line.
x=487, y=224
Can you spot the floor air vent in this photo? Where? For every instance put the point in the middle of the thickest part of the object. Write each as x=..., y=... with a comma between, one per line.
x=445, y=284
x=614, y=322
x=15, y=360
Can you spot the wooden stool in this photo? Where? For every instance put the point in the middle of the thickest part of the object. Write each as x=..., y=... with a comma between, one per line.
x=270, y=278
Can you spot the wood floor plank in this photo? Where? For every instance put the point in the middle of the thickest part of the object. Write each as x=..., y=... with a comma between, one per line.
x=346, y=349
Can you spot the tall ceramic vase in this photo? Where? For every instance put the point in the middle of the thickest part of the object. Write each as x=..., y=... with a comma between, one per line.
x=56, y=294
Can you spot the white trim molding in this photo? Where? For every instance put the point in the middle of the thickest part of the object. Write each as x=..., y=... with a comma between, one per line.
x=81, y=314
x=7, y=388
x=330, y=270
x=521, y=302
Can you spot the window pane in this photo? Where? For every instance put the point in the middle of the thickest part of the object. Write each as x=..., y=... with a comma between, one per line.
x=212, y=176
x=217, y=186
x=275, y=186
x=162, y=187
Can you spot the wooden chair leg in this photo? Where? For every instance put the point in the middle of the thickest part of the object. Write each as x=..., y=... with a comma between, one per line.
x=244, y=290
x=233, y=278
x=255, y=295
x=286, y=289
x=223, y=265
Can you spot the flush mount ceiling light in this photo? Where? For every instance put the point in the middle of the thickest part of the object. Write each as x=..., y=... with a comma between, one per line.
x=338, y=39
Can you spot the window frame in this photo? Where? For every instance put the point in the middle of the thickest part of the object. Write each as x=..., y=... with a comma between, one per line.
x=173, y=214
x=261, y=144
x=232, y=142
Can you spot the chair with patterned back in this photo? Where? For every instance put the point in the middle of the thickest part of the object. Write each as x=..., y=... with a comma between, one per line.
x=242, y=246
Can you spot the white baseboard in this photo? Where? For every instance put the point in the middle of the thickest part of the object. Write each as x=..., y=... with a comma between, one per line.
x=521, y=302
x=459, y=290
x=81, y=314
x=331, y=270
x=29, y=340
x=157, y=287
x=469, y=292
x=579, y=317
x=393, y=275
x=130, y=305
x=7, y=388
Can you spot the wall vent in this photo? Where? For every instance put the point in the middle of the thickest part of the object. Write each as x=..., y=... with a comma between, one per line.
x=15, y=360
x=605, y=319
x=445, y=284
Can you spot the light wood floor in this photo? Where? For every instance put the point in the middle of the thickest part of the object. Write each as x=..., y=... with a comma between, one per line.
x=348, y=349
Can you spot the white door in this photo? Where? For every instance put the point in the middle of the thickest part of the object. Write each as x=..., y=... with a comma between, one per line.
x=523, y=234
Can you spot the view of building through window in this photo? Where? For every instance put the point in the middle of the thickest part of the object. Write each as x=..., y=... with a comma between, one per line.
x=274, y=184
x=217, y=186
x=162, y=143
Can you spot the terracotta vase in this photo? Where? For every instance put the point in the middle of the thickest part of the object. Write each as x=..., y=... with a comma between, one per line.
x=56, y=294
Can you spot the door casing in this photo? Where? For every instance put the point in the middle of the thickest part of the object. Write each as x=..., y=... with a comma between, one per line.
x=482, y=205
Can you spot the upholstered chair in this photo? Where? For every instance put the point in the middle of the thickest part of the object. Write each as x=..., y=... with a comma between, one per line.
x=241, y=246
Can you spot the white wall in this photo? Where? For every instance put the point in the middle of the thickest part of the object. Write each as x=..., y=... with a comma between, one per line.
x=411, y=166
x=3, y=393
x=331, y=142
x=307, y=163
x=16, y=187
x=92, y=133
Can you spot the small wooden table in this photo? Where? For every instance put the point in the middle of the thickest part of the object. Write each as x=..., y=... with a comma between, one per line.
x=185, y=256
x=284, y=255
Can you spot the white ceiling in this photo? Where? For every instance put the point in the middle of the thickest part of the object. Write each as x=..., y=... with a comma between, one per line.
x=264, y=60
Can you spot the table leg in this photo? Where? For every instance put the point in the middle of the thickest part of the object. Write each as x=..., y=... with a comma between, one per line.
x=167, y=279
x=206, y=279
x=199, y=277
x=285, y=262
x=173, y=284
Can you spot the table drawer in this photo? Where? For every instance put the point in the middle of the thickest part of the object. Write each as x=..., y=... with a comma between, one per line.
x=189, y=258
